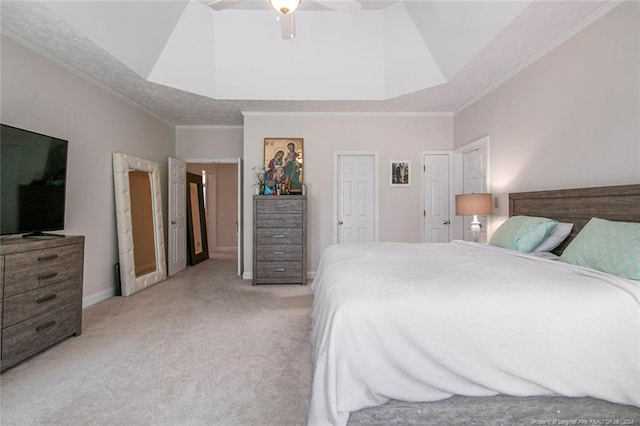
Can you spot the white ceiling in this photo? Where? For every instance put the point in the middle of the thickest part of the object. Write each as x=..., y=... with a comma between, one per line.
x=190, y=65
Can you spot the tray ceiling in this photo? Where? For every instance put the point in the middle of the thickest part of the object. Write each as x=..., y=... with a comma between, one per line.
x=190, y=65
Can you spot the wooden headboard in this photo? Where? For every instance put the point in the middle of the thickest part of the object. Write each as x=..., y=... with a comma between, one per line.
x=619, y=203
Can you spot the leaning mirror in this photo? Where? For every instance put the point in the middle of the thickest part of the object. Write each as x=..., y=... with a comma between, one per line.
x=139, y=222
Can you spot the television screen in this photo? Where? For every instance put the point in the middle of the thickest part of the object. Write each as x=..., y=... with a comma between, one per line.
x=33, y=171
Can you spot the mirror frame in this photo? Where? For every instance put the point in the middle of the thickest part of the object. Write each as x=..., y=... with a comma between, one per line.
x=122, y=165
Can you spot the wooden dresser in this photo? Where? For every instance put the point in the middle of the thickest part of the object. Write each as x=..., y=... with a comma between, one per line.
x=41, y=294
x=279, y=239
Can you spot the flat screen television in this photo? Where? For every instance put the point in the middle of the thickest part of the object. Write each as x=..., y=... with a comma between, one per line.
x=33, y=176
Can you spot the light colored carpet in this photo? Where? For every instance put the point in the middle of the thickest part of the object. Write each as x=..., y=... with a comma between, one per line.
x=206, y=348
x=201, y=348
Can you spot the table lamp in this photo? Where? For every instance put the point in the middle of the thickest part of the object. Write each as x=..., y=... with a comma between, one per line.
x=474, y=204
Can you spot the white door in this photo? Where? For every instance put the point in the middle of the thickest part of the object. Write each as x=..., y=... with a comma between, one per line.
x=177, y=216
x=239, y=221
x=474, y=166
x=356, y=198
x=437, y=195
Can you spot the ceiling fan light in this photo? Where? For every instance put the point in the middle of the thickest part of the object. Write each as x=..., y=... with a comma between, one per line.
x=285, y=6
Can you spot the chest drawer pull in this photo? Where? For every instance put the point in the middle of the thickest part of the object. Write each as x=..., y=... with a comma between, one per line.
x=46, y=325
x=49, y=257
x=46, y=298
x=278, y=252
x=278, y=236
x=279, y=269
x=47, y=276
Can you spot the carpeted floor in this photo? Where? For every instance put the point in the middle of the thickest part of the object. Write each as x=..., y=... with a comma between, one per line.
x=206, y=348
x=201, y=348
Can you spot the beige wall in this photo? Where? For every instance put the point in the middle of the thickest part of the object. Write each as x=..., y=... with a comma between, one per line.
x=572, y=119
x=208, y=142
x=41, y=96
x=395, y=137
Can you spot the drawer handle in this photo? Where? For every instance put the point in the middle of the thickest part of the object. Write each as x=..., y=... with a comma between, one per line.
x=278, y=269
x=46, y=298
x=49, y=257
x=278, y=236
x=47, y=276
x=278, y=252
x=46, y=325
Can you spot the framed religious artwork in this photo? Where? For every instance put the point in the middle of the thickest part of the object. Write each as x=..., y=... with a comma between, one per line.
x=283, y=166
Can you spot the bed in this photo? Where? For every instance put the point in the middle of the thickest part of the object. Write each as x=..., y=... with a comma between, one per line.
x=424, y=322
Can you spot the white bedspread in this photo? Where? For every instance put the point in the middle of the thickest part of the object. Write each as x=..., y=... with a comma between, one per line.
x=422, y=322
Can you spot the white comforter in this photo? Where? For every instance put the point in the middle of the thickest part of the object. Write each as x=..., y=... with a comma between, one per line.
x=422, y=322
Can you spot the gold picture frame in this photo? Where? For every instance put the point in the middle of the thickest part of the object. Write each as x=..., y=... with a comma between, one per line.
x=283, y=165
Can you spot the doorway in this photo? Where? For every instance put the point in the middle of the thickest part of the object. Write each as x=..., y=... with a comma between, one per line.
x=355, y=197
x=436, y=187
x=471, y=174
x=220, y=188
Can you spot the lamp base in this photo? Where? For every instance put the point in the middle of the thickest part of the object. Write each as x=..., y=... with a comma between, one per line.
x=475, y=229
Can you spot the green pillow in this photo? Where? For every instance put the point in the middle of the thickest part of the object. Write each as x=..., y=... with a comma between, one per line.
x=522, y=233
x=612, y=247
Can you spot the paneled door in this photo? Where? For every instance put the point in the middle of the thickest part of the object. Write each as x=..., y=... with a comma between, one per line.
x=474, y=166
x=356, y=203
x=437, y=196
x=177, y=216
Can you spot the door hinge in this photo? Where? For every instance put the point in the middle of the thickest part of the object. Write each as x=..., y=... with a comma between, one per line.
x=424, y=213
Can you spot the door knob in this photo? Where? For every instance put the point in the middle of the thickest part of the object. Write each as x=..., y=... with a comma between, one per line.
x=446, y=222
x=340, y=222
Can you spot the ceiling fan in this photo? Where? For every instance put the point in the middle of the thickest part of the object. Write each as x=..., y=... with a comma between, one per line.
x=285, y=9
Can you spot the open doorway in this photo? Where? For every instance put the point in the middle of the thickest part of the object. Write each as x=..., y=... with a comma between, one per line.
x=220, y=187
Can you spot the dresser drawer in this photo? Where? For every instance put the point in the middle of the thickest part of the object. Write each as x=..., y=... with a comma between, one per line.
x=30, y=337
x=279, y=221
x=279, y=253
x=26, y=305
x=278, y=205
x=38, y=268
x=280, y=269
x=278, y=236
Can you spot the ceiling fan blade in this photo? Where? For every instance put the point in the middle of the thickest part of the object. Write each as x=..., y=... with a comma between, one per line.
x=351, y=7
x=287, y=26
x=223, y=4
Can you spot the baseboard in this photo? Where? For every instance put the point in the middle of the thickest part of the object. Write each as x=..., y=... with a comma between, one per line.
x=97, y=298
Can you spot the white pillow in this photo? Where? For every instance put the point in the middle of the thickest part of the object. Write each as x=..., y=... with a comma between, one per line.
x=556, y=237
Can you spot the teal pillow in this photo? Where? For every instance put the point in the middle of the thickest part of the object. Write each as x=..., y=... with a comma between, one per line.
x=522, y=233
x=612, y=247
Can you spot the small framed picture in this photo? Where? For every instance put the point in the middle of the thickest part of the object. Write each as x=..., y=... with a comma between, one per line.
x=400, y=173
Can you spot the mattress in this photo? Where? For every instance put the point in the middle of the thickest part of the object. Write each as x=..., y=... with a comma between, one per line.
x=423, y=322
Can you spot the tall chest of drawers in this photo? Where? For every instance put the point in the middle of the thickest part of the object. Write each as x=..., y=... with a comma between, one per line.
x=279, y=239
x=41, y=294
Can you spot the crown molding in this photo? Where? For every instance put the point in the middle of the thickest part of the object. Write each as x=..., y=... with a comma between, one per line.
x=47, y=56
x=350, y=114
x=575, y=29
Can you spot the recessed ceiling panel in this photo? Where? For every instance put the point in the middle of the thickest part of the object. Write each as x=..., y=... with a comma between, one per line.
x=135, y=32
x=333, y=57
x=188, y=60
x=409, y=65
x=456, y=31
